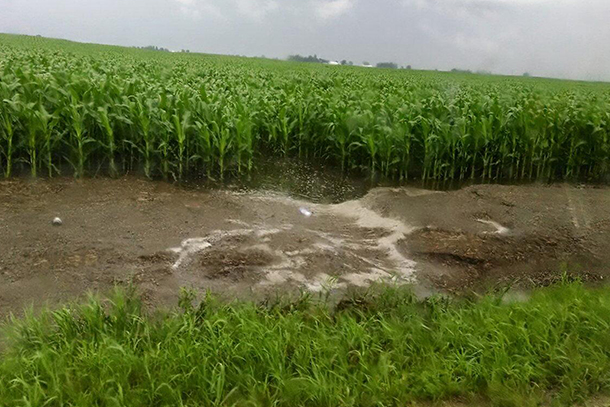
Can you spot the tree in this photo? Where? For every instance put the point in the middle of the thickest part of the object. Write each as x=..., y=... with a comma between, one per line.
x=456, y=70
x=527, y=74
x=389, y=65
x=300, y=58
x=154, y=48
x=344, y=62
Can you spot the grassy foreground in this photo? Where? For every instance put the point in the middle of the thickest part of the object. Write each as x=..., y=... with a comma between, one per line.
x=385, y=350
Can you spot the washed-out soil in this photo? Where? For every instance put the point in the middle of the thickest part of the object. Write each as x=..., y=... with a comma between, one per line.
x=161, y=237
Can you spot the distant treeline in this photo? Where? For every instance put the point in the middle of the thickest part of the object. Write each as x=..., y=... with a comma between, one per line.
x=154, y=48
x=391, y=65
x=468, y=71
x=480, y=72
x=310, y=58
x=315, y=59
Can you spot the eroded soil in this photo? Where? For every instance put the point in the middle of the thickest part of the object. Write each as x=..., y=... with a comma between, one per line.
x=162, y=237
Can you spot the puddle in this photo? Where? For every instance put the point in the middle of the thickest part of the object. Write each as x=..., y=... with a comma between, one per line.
x=351, y=246
x=188, y=248
x=500, y=230
x=322, y=183
x=367, y=218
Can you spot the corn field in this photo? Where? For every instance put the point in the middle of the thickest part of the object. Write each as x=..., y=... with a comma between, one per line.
x=85, y=109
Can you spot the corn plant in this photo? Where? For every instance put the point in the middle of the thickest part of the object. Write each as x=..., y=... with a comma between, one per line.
x=79, y=140
x=109, y=145
x=8, y=121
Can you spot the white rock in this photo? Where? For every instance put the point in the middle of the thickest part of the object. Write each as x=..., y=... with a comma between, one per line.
x=57, y=222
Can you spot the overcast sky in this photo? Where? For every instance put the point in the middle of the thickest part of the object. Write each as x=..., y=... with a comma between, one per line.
x=558, y=38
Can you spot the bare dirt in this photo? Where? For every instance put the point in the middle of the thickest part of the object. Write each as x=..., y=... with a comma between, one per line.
x=161, y=237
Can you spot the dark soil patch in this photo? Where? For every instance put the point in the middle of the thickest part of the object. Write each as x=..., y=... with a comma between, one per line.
x=234, y=265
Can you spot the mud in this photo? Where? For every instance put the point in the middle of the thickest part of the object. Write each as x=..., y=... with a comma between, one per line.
x=162, y=237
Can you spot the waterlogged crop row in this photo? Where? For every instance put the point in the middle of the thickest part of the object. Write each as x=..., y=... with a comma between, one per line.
x=86, y=109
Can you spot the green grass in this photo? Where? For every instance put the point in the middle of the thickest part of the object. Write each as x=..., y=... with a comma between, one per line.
x=85, y=109
x=383, y=350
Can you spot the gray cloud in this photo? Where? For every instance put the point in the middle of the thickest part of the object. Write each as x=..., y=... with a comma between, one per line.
x=333, y=8
x=560, y=38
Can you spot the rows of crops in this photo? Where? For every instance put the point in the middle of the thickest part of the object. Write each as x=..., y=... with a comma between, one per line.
x=86, y=109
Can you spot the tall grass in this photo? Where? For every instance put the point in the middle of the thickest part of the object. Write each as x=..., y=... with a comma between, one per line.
x=388, y=349
x=88, y=107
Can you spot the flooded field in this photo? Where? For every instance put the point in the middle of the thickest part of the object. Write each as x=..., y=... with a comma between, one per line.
x=257, y=243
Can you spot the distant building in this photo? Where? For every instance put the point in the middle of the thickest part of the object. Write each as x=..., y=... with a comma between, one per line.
x=333, y=63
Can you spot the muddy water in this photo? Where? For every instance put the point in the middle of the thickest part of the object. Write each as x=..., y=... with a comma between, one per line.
x=312, y=246
x=301, y=180
x=314, y=181
x=320, y=183
x=244, y=243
